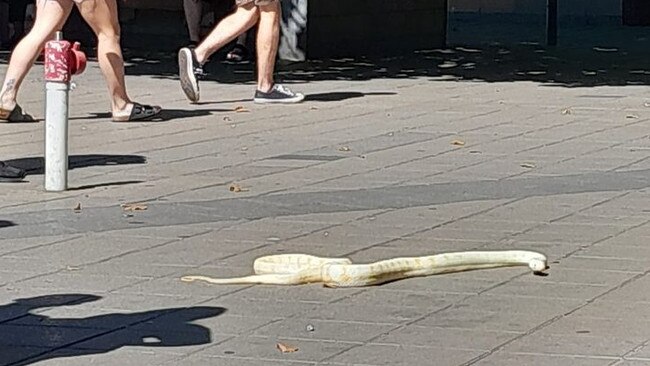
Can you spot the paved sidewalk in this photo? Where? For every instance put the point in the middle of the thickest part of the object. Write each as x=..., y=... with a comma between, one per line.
x=370, y=167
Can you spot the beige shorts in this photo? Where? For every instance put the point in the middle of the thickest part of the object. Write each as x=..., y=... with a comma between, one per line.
x=257, y=2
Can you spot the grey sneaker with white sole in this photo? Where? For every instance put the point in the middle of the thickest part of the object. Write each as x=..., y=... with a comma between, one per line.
x=190, y=71
x=278, y=94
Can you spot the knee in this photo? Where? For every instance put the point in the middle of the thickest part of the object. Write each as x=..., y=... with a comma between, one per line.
x=252, y=13
x=110, y=35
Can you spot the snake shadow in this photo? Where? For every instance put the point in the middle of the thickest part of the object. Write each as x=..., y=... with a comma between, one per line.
x=35, y=337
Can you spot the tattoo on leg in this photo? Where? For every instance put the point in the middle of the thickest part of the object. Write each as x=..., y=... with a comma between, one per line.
x=9, y=86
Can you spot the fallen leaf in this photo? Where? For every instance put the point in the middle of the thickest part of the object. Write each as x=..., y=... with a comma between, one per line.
x=566, y=111
x=458, y=143
x=72, y=268
x=646, y=104
x=134, y=206
x=344, y=148
x=528, y=165
x=632, y=116
x=77, y=208
x=227, y=119
x=313, y=108
x=236, y=188
x=284, y=348
x=240, y=109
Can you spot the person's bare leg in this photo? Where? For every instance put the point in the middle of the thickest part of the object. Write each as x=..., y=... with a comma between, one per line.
x=268, y=38
x=228, y=29
x=193, y=16
x=50, y=17
x=101, y=15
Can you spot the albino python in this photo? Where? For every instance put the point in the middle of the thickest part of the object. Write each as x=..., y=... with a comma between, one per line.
x=298, y=269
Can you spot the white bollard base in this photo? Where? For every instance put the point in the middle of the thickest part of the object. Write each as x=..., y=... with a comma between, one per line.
x=56, y=136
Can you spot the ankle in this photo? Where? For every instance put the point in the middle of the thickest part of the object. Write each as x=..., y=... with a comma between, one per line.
x=201, y=55
x=265, y=87
x=120, y=106
x=7, y=103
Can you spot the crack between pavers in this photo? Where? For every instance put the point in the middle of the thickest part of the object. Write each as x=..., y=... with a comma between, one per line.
x=626, y=355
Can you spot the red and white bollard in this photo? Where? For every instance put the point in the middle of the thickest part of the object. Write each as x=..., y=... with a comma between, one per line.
x=62, y=60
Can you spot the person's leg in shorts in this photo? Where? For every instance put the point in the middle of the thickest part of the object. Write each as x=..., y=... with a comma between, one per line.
x=50, y=17
x=247, y=14
x=102, y=17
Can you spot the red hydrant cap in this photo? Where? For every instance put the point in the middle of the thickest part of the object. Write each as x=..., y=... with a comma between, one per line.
x=78, y=59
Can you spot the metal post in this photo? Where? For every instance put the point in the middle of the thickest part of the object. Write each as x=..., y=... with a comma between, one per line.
x=56, y=132
x=551, y=22
x=56, y=136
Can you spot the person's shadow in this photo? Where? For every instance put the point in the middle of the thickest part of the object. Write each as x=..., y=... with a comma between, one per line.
x=29, y=337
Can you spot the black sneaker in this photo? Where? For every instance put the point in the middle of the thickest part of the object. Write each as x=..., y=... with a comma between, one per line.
x=9, y=173
x=190, y=72
x=278, y=94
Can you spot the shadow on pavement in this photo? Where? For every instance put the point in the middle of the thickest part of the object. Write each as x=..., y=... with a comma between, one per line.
x=36, y=165
x=339, y=96
x=566, y=67
x=164, y=116
x=30, y=338
x=615, y=64
x=5, y=223
x=109, y=184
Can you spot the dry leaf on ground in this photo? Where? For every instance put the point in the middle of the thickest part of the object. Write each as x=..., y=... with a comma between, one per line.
x=240, y=109
x=134, y=206
x=632, y=116
x=77, y=208
x=344, y=148
x=458, y=143
x=566, y=111
x=528, y=165
x=236, y=188
x=285, y=348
